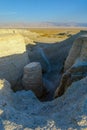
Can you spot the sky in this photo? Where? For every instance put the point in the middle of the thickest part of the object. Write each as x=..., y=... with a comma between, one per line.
x=43, y=10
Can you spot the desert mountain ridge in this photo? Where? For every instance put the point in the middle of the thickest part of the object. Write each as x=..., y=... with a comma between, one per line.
x=42, y=24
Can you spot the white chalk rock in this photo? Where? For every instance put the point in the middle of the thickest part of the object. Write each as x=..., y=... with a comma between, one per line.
x=13, y=57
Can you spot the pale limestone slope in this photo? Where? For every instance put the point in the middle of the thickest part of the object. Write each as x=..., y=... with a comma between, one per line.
x=11, y=44
x=13, y=57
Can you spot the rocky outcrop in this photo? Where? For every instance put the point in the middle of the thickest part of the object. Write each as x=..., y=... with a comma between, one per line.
x=24, y=32
x=75, y=66
x=22, y=110
x=13, y=57
x=77, y=52
x=51, y=58
x=28, y=36
x=51, y=55
x=32, y=78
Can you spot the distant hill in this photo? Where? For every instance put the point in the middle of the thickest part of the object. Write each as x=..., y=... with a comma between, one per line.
x=42, y=25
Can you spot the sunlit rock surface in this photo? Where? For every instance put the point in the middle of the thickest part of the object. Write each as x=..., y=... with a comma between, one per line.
x=13, y=57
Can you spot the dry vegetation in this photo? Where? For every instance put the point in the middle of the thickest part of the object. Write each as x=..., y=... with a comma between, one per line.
x=43, y=35
x=51, y=35
x=54, y=30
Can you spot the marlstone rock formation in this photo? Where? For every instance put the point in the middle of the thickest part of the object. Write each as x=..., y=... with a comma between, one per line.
x=75, y=65
x=51, y=58
x=77, y=52
x=32, y=79
x=13, y=57
x=23, y=111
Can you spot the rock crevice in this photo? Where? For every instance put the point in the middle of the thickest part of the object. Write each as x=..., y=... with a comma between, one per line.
x=75, y=65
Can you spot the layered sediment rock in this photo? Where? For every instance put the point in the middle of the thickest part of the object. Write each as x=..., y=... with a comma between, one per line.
x=13, y=57
x=75, y=65
x=32, y=78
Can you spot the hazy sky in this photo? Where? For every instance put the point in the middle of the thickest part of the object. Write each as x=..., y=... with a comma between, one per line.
x=43, y=10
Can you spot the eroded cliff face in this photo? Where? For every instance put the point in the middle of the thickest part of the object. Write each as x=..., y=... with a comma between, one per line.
x=13, y=57
x=26, y=34
x=51, y=58
x=77, y=52
x=75, y=65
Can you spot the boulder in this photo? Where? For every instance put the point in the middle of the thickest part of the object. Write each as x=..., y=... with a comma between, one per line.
x=75, y=65
x=32, y=78
x=13, y=57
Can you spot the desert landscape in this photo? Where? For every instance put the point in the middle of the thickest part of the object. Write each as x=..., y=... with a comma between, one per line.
x=43, y=79
x=43, y=64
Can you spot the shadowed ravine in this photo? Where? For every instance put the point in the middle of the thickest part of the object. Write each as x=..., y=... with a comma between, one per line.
x=52, y=58
x=40, y=50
